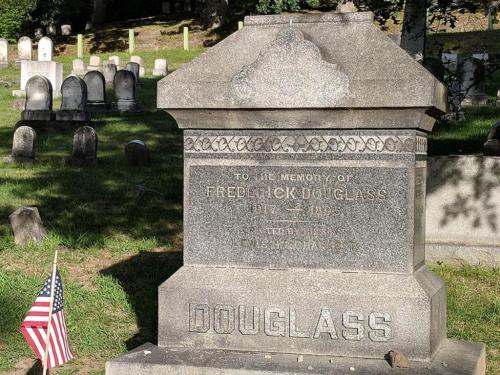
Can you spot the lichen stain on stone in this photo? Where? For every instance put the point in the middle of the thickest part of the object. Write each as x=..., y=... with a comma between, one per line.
x=289, y=72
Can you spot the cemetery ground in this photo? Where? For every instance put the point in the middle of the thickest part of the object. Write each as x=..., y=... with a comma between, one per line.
x=119, y=232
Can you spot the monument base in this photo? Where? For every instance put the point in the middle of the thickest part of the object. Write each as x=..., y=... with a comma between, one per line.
x=28, y=115
x=77, y=116
x=454, y=357
x=126, y=106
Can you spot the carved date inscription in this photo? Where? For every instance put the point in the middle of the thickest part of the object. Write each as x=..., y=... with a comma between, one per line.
x=279, y=215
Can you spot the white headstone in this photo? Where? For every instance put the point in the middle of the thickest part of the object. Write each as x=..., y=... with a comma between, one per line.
x=45, y=48
x=115, y=60
x=160, y=68
x=79, y=67
x=24, y=48
x=95, y=61
x=137, y=59
x=50, y=69
x=65, y=30
x=4, y=52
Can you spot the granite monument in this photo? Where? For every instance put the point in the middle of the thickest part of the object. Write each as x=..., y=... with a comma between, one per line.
x=96, y=91
x=125, y=91
x=38, y=105
x=304, y=207
x=74, y=101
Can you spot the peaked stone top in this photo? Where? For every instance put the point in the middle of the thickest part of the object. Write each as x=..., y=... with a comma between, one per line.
x=308, y=63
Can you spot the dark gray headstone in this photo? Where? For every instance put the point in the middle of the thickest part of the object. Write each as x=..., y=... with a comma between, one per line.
x=134, y=68
x=84, y=146
x=492, y=145
x=96, y=91
x=27, y=225
x=136, y=152
x=38, y=99
x=23, y=143
x=109, y=70
x=125, y=91
x=74, y=101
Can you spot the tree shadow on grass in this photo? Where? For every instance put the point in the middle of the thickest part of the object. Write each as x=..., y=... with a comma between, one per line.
x=140, y=276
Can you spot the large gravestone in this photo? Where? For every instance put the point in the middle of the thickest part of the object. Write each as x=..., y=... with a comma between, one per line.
x=45, y=49
x=304, y=207
x=38, y=105
x=96, y=90
x=74, y=101
x=125, y=92
x=24, y=48
x=4, y=53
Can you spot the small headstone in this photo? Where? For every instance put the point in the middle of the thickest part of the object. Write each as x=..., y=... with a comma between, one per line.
x=84, y=146
x=94, y=63
x=38, y=34
x=45, y=48
x=125, y=91
x=139, y=60
x=160, y=68
x=116, y=61
x=109, y=70
x=492, y=145
x=4, y=52
x=23, y=143
x=136, y=152
x=79, y=67
x=38, y=100
x=96, y=92
x=27, y=225
x=24, y=48
x=65, y=30
x=74, y=101
x=134, y=68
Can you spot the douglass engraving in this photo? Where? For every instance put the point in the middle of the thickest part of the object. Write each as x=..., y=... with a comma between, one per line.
x=376, y=144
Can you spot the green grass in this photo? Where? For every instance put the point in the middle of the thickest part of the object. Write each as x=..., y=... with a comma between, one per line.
x=118, y=244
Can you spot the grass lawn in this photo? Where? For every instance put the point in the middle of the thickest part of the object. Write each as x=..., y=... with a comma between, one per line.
x=118, y=243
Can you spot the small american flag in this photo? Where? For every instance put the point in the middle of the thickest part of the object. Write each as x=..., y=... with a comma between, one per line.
x=34, y=326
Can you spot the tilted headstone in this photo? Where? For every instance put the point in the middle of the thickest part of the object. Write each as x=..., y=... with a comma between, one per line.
x=27, y=226
x=109, y=70
x=139, y=60
x=23, y=144
x=96, y=91
x=115, y=60
x=492, y=145
x=51, y=70
x=38, y=105
x=160, y=68
x=304, y=208
x=45, y=49
x=136, y=152
x=125, y=91
x=65, y=30
x=24, y=48
x=79, y=67
x=74, y=101
x=94, y=63
x=84, y=146
x=4, y=52
x=134, y=68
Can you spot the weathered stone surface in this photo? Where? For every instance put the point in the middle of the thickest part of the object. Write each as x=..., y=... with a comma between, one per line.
x=115, y=60
x=492, y=144
x=303, y=311
x=463, y=207
x=27, y=225
x=137, y=152
x=109, y=70
x=45, y=49
x=134, y=68
x=23, y=144
x=84, y=146
x=460, y=358
x=74, y=101
x=4, y=52
x=95, y=63
x=398, y=360
x=96, y=90
x=50, y=69
x=320, y=199
x=125, y=91
x=38, y=100
x=79, y=67
x=24, y=48
x=160, y=68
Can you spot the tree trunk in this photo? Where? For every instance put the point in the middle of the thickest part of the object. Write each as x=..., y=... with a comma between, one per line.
x=414, y=28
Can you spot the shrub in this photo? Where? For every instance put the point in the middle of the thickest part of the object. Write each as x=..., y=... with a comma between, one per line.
x=14, y=16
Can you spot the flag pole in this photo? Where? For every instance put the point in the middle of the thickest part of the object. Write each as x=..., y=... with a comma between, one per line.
x=47, y=338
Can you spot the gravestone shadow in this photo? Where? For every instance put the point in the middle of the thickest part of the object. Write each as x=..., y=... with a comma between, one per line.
x=140, y=276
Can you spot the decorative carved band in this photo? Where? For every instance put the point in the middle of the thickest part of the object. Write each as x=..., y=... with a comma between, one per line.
x=341, y=144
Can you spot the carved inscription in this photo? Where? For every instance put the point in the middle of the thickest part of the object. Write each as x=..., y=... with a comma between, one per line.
x=351, y=325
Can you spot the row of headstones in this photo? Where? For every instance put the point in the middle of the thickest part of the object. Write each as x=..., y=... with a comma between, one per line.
x=110, y=67
x=84, y=147
x=25, y=50
x=79, y=97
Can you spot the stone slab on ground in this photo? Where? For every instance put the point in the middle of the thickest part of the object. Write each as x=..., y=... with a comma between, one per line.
x=454, y=358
